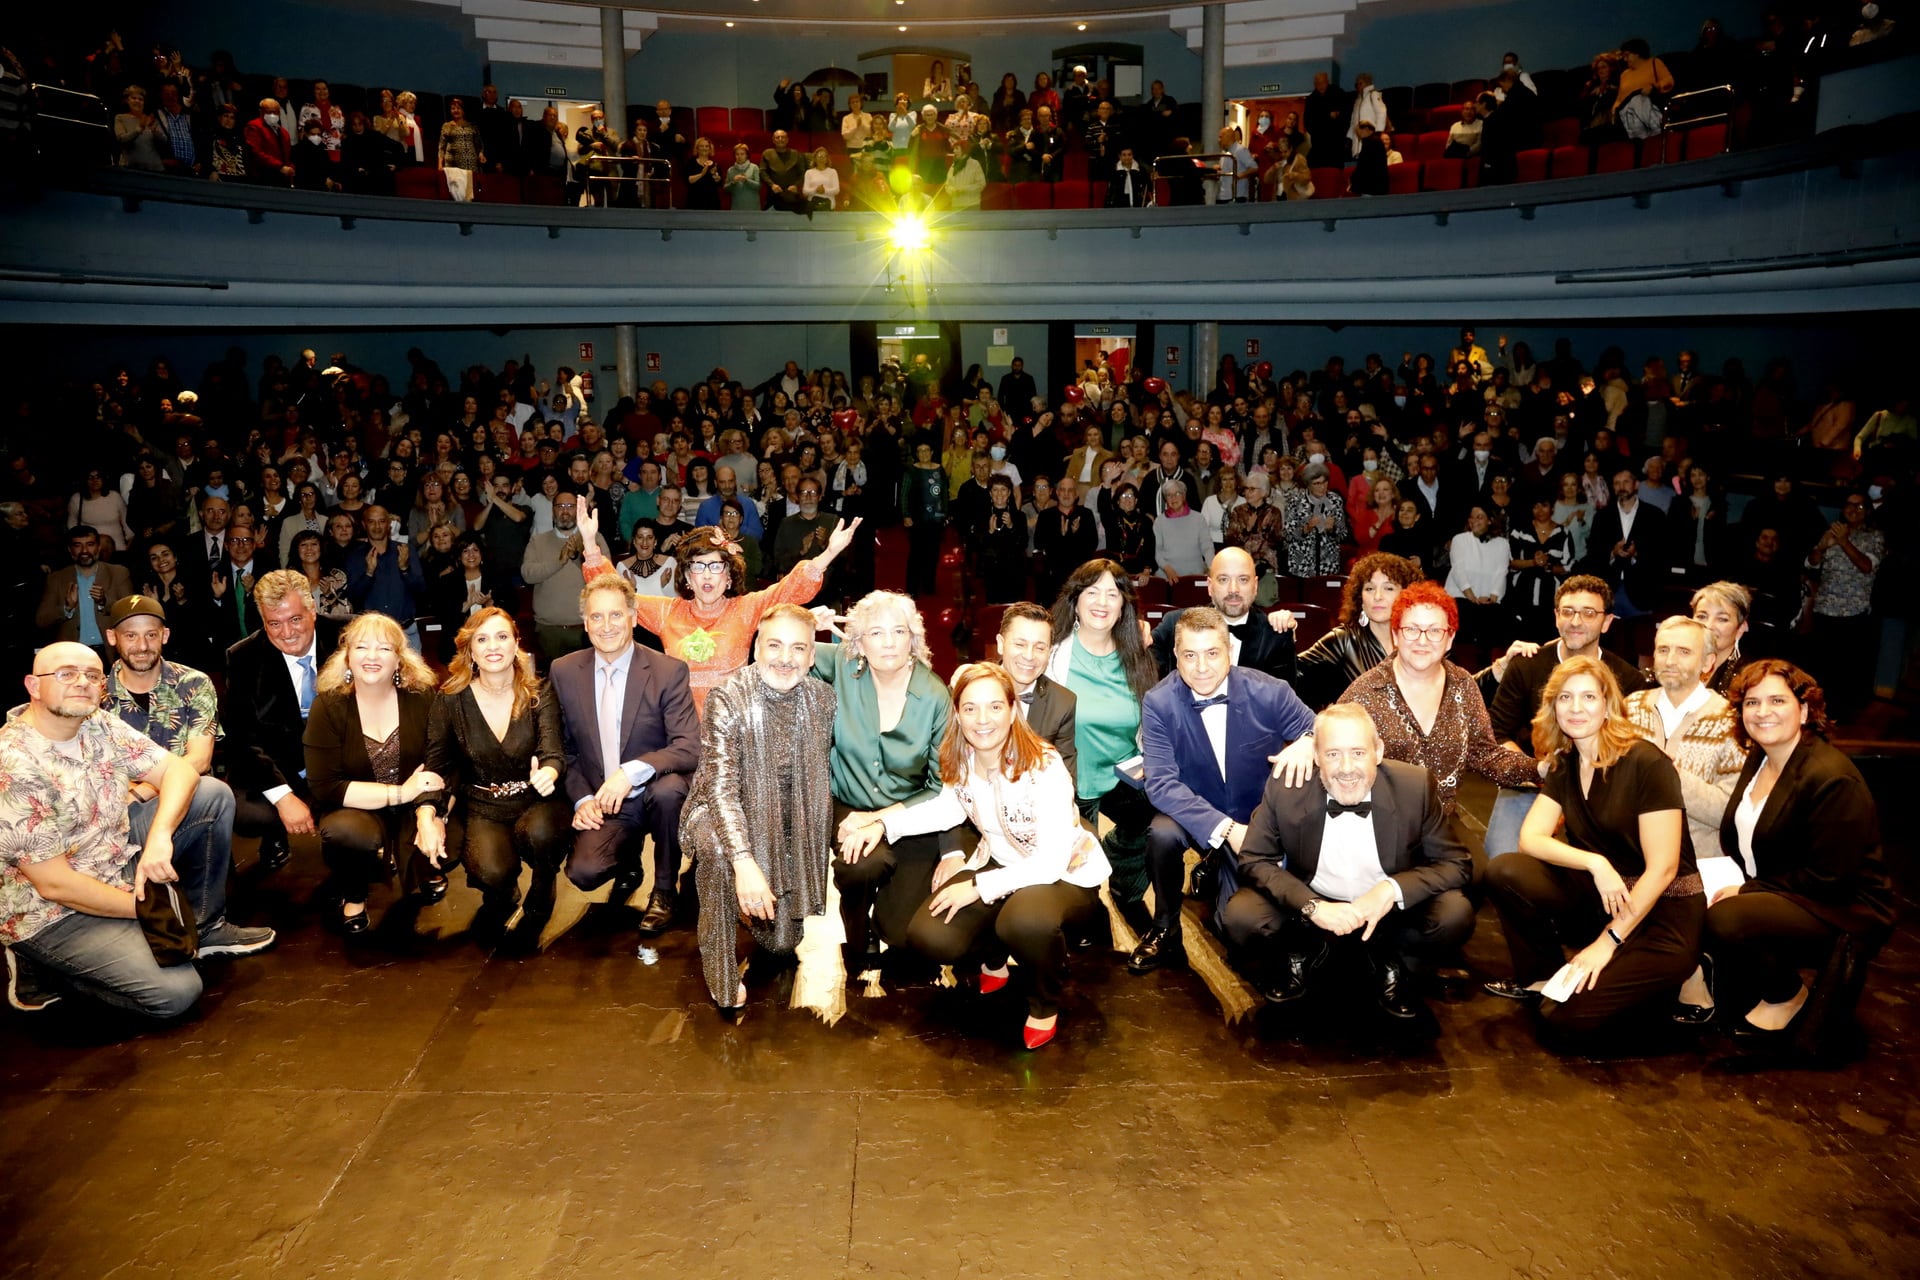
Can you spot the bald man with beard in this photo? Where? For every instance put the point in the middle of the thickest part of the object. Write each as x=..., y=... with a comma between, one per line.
x=1262, y=641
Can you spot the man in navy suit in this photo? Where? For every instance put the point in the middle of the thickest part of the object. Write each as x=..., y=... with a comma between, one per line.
x=1207, y=733
x=1362, y=856
x=632, y=743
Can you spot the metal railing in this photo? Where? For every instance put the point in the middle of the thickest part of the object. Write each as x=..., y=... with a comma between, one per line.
x=1669, y=123
x=1209, y=174
x=647, y=183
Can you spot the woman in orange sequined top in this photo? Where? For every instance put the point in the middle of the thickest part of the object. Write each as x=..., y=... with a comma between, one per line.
x=708, y=625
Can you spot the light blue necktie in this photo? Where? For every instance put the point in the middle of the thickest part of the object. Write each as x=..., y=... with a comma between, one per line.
x=306, y=685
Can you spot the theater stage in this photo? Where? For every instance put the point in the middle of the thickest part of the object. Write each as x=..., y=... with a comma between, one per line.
x=419, y=1108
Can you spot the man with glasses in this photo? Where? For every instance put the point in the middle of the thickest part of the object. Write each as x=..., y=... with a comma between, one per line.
x=551, y=567
x=1582, y=612
x=75, y=855
x=804, y=535
x=75, y=600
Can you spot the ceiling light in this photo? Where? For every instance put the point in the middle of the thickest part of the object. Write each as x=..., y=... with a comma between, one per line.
x=1080, y=26
x=729, y=24
x=903, y=28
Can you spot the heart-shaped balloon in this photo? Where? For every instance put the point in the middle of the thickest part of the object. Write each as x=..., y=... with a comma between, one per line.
x=1075, y=394
x=1155, y=386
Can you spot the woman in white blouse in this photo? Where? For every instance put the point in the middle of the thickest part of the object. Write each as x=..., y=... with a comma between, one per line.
x=1036, y=869
x=821, y=185
x=1478, y=579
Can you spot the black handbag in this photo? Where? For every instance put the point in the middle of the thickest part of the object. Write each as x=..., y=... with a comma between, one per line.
x=168, y=922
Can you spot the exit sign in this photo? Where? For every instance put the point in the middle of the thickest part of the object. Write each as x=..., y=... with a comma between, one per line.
x=555, y=91
x=1270, y=88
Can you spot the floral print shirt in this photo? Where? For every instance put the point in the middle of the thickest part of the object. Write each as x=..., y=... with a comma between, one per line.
x=65, y=798
x=182, y=706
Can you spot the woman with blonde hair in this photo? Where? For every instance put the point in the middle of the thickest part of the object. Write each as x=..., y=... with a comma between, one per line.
x=1036, y=870
x=1623, y=875
x=892, y=711
x=494, y=739
x=366, y=747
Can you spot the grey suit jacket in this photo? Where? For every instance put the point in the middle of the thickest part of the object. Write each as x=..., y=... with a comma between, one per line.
x=52, y=617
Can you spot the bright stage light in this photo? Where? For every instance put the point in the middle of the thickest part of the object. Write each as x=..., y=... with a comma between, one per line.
x=909, y=234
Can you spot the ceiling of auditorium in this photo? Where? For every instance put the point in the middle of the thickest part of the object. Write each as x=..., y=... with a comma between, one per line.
x=558, y=32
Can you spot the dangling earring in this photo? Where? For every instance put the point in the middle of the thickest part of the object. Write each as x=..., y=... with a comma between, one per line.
x=396, y=677
x=347, y=676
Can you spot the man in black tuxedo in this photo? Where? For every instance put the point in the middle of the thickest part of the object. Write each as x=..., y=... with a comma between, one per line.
x=1627, y=547
x=632, y=743
x=270, y=686
x=1232, y=583
x=1016, y=386
x=1361, y=857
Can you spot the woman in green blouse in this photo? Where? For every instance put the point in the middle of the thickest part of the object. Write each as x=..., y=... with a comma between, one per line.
x=1102, y=651
x=891, y=715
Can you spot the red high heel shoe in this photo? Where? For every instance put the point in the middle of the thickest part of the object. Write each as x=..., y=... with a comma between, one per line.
x=991, y=982
x=1037, y=1036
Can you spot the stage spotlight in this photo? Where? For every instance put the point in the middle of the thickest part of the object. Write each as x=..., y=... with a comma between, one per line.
x=909, y=234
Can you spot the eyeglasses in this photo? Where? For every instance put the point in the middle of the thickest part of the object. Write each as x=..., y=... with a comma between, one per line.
x=706, y=567
x=1425, y=633
x=1582, y=615
x=74, y=675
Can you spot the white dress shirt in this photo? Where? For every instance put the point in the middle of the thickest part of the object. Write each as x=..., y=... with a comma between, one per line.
x=1349, y=858
x=273, y=795
x=1672, y=717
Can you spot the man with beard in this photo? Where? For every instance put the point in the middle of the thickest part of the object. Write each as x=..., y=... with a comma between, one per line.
x=75, y=600
x=1203, y=793
x=1231, y=584
x=176, y=707
x=803, y=535
x=77, y=857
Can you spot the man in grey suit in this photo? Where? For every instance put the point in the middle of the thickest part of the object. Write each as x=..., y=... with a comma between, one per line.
x=632, y=743
x=76, y=599
x=1362, y=857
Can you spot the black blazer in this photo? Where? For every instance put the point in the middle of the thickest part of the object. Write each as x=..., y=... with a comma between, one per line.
x=1643, y=575
x=1261, y=647
x=336, y=751
x=1420, y=846
x=658, y=724
x=260, y=713
x=1818, y=837
x=1050, y=715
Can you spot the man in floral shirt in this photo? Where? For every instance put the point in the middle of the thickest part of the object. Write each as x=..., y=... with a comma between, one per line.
x=74, y=857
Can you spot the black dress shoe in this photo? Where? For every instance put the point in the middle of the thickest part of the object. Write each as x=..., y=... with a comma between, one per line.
x=432, y=889
x=1290, y=983
x=354, y=925
x=1206, y=881
x=274, y=853
x=1396, y=995
x=1691, y=1015
x=1507, y=989
x=625, y=884
x=1162, y=948
x=537, y=909
x=659, y=914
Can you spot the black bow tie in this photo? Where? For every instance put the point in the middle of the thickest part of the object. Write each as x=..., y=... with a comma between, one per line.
x=1335, y=808
x=1027, y=697
x=1217, y=700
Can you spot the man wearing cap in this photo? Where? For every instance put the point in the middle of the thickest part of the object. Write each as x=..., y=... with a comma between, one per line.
x=176, y=707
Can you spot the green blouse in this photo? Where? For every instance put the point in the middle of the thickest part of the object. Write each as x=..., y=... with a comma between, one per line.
x=1106, y=718
x=870, y=769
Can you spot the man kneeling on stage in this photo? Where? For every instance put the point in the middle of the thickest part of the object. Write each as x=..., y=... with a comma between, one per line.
x=1360, y=859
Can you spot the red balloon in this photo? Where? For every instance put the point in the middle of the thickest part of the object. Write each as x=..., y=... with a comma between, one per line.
x=1155, y=386
x=946, y=618
x=845, y=419
x=1075, y=394
x=1264, y=369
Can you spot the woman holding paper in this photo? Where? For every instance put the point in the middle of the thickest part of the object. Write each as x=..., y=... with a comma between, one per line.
x=1623, y=876
x=1804, y=828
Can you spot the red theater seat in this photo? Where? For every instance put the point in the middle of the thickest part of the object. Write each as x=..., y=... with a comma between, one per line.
x=1613, y=157
x=996, y=196
x=1073, y=193
x=1559, y=133
x=1571, y=162
x=1444, y=175
x=1704, y=141
x=748, y=120
x=1531, y=165
x=497, y=188
x=1433, y=94
x=1033, y=195
x=421, y=183
x=543, y=189
x=1431, y=145
x=1329, y=183
x=713, y=121
x=1404, y=179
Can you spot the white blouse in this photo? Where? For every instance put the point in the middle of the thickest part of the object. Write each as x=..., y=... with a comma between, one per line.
x=1029, y=830
x=1481, y=566
x=1746, y=816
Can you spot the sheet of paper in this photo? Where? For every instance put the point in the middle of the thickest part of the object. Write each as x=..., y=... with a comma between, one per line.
x=1559, y=988
x=1719, y=873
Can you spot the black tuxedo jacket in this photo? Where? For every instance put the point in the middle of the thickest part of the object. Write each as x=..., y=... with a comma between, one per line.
x=260, y=713
x=1420, y=846
x=1642, y=575
x=1050, y=715
x=1818, y=837
x=1261, y=647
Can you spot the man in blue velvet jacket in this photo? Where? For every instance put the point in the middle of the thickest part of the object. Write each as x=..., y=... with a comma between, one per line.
x=1208, y=734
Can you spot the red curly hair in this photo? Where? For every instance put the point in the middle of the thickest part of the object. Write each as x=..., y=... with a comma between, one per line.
x=1429, y=593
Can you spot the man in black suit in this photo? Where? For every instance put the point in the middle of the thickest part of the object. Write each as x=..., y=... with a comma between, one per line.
x=1157, y=125
x=1477, y=466
x=231, y=616
x=1362, y=857
x=632, y=743
x=1627, y=547
x=1016, y=387
x=1325, y=116
x=270, y=686
x=1232, y=583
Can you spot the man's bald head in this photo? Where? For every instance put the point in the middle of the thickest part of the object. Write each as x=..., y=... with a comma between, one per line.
x=1232, y=582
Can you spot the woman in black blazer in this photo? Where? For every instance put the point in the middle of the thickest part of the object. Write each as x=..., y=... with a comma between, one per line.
x=1804, y=828
x=366, y=747
x=494, y=739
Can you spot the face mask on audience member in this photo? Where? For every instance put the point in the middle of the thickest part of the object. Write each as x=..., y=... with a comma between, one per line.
x=1266, y=122
x=1399, y=402
x=1370, y=464
x=998, y=453
x=1874, y=491
x=272, y=118
x=1481, y=455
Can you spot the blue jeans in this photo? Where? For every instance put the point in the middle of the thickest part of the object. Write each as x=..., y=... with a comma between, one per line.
x=109, y=959
x=1503, y=822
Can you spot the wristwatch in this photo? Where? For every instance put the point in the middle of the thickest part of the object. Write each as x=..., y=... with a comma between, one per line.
x=1306, y=912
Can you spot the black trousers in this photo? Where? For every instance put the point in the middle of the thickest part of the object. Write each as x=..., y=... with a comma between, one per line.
x=253, y=815
x=889, y=884
x=1126, y=844
x=1546, y=909
x=360, y=846
x=1759, y=942
x=655, y=812
x=1167, y=843
x=493, y=846
x=1029, y=924
x=1261, y=933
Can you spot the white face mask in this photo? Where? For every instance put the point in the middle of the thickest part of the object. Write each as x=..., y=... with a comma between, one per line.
x=997, y=452
x=1399, y=402
x=1874, y=491
x=1481, y=455
x=1266, y=122
x=1869, y=11
x=272, y=118
x=1370, y=465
